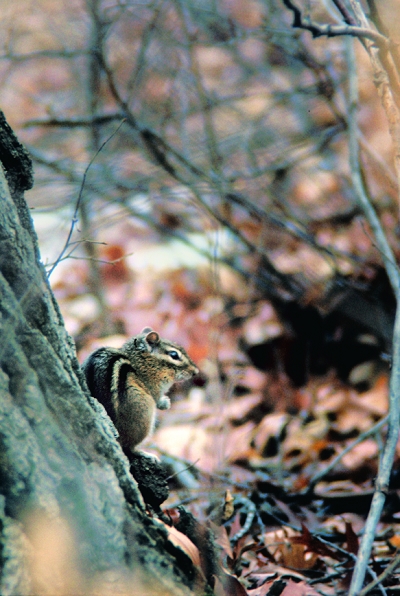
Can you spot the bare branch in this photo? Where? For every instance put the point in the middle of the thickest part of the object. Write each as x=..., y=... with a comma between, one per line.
x=75, y=122
x=328, y=30
x=386, y=464
x=332, y=464
x=74, y=220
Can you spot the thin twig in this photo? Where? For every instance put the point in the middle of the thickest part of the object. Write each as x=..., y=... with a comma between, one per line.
x=362, y=437
x=43, y=54
x=188, y=467
x=74, y=220
x=342, y=8
x=74, y=122
x=215, y=158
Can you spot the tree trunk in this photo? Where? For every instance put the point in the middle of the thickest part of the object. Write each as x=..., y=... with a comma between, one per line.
x=72, y=520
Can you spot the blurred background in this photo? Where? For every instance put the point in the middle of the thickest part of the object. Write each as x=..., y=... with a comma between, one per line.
x=192, y=174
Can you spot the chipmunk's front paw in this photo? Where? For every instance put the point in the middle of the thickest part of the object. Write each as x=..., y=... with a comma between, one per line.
x=150, y=456
x=164, y=403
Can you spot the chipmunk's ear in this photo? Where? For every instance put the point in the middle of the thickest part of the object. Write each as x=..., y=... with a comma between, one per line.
x=152, y=337
x=146, y=330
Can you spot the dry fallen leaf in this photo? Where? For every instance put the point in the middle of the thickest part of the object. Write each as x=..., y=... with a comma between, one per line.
x=231, y=585
x=296, y=556
x=222, y=539
x=298, y=589
x=395, y=541
x=183, y=542
x=229, y=505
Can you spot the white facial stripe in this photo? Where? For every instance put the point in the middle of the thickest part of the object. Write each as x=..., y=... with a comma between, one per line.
x=168, y=358
x=171, y=348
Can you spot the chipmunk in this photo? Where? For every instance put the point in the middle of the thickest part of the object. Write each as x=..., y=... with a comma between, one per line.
x=131, y=382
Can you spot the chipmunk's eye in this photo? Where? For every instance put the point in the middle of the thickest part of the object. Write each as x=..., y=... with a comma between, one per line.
x=174, y=355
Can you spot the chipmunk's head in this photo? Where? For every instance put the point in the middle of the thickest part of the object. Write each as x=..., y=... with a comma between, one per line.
x=164, y=352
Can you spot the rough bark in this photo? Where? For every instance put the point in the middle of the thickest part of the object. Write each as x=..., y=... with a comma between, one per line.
x=63, y=477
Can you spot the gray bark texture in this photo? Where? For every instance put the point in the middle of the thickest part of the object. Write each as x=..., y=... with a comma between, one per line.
x=72, y=520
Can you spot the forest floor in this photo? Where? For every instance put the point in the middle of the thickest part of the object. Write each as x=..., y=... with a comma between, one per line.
x=279, y=464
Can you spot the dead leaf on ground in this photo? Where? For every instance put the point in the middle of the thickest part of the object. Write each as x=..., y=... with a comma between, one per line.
x=183, y=542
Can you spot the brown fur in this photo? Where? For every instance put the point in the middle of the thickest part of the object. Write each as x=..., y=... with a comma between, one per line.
x=131, y=382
